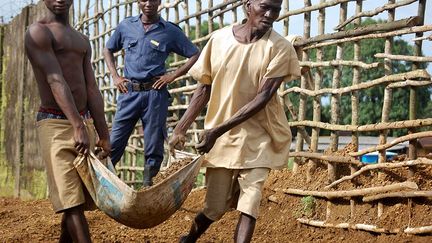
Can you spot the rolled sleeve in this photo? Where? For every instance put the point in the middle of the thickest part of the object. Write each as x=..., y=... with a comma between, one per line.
x=183, y=46
x=284, y=63
x=114, y=43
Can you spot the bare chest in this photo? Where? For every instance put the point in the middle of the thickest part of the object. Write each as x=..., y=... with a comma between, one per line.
x=69, y=42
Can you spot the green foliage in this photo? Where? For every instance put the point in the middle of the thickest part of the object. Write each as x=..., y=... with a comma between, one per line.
x=371, y=100
x=306, y=207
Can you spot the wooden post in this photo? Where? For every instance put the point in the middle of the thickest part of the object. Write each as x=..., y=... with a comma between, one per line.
x=388, y=95
x=317, y=99
x=335, y=99
x=303, y=98
x=355, y=97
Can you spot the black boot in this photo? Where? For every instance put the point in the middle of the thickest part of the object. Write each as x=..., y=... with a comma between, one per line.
x=199, y=226
x=147, y=178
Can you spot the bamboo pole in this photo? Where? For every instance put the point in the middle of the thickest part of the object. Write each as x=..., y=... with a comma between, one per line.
x=354, y=192
x=388, y=6
x=420, y=161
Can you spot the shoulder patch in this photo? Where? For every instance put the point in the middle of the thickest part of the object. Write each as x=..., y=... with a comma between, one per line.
x=176, y=25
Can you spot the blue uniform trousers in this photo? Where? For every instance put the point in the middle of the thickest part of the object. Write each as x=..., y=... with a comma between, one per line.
x=151, y=106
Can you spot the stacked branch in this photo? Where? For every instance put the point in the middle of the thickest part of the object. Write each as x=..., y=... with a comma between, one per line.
x=365, y=128
x=420, y=73
x=420, y=161
x=354, y=193
x=388, y=6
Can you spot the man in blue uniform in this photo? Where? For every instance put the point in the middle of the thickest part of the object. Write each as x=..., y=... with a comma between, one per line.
x=147, y=40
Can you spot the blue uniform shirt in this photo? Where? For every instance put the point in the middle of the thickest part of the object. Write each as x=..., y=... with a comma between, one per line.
x=146, y=51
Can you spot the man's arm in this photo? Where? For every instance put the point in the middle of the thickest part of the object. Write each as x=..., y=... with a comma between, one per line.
x=199, y=100
x=96, y=105
x=170, y=77
x=119, y=81
x=38, y=44
x=265, y=93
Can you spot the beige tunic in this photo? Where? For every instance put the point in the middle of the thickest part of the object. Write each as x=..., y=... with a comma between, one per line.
x=235, y=72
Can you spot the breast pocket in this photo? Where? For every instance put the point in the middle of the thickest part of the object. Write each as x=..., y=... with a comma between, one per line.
x=131, y=50
x=155, y=49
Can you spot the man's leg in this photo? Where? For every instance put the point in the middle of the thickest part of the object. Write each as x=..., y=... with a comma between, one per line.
x=126, y=117
x=251, y=182
x=154, y=126
x=74, y=226
x=245, y=228
x=219, y=196
x=199, y=226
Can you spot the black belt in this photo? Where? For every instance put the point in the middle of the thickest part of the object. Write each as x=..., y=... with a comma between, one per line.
x=143, y=86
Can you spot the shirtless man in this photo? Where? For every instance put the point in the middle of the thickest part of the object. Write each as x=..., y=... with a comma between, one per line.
x=60, y=57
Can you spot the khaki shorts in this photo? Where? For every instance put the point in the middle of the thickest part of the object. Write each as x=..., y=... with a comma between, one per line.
x=233, y=188
x=58, y=153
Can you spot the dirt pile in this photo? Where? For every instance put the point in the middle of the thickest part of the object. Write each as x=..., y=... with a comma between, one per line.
x=30, y=221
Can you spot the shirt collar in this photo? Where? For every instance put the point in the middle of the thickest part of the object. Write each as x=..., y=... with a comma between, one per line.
x=138, y=17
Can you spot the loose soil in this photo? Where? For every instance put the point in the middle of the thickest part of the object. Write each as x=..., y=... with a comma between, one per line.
x=34, y=221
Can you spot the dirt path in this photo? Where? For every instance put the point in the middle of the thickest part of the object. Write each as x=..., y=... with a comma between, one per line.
x=34, y=221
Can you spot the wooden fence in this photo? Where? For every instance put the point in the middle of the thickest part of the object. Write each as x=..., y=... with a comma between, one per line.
x=98, y=19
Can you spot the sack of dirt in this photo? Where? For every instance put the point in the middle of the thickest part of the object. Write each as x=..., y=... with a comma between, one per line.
x=140, y=209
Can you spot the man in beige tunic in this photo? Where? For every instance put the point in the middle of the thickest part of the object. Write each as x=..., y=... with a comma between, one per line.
x=246, y=129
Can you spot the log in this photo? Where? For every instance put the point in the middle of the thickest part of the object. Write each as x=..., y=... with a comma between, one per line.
x=208, y=10
x=404, y=57
x=362, y=30
x=415, y=29
x=340, y=63
x=398, y=194
x=355, y=192
x=311, y=8
x=392, y=143
x=365, y=85
x=418, y=230
x=365, y=128
x=221, y=12
x=410, y=83
x=423, y=38
x=374, y=12
x=420, y=161
x=331, y=158
x=365, y=227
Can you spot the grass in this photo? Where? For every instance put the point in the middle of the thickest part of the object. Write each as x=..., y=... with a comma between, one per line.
x=308, y=205
x=290, y=163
